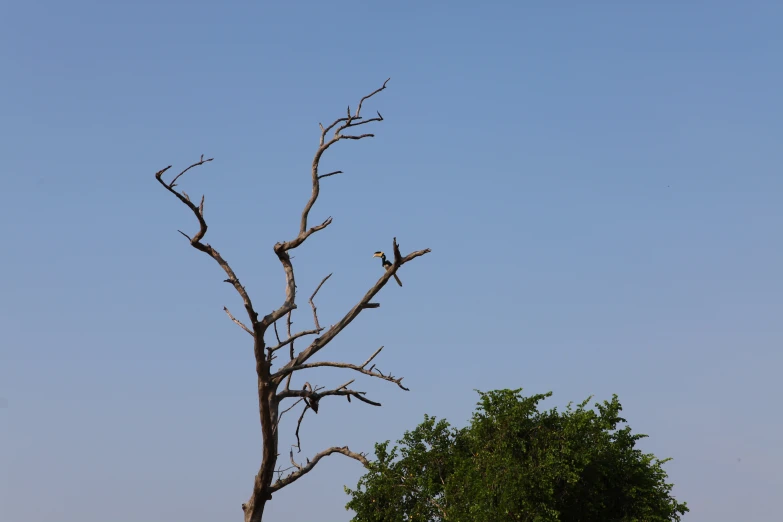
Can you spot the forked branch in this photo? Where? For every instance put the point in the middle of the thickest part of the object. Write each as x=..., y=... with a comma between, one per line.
x=291, y=338
x=320, y=342
x=196, y=242
x=282, y=249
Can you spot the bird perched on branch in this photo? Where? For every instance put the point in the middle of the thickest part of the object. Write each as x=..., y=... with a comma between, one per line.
x=311, y=401
x=386, y=264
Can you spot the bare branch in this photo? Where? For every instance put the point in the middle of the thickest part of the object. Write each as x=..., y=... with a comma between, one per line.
x=294, y=337
x=299, y=425
x=359, y=137
x=312, y=304
x=345, y=385
x=313, y=396
x=195, y=241
x=372, y=372
x=280, y=417
x=200, y=162
x=269, y=393
x=331, y=333
x=288, y=327
x=372, y=357
x=291, y=338
x=359, y=108
x=161, y=171
x=330, y=127
x=303, y=470
x=238, y=322
x=282, y=249
x=297, y=466
x=277, y=335
x=280, y=471
x=322, y=176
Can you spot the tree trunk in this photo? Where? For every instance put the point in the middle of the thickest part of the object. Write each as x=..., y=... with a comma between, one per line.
x=255, y=512
x=268, y=481
x=268, y=410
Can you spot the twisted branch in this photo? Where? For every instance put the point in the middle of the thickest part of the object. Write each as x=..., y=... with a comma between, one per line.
x=282, y=249
x=195, y=241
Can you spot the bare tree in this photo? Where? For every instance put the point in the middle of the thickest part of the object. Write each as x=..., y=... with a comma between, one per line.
x=274, y=383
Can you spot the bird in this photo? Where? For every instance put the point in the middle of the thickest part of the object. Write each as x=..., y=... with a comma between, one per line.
x=386, y=264
x=311, y=400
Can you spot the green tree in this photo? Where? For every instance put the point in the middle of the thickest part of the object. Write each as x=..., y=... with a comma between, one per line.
x=514, y=462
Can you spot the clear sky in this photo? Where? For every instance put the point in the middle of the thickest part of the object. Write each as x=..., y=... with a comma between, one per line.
x=600, y=184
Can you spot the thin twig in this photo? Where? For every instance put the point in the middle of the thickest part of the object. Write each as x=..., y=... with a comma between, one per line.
x=288, y=324
x=293, y=338
x=372, y=371
x=312, y=304
x=280, y=417
x=238, y=322
x=297, y=466
x=200, y=162
x=322, y=176
x=298, y=425
x=276, y=334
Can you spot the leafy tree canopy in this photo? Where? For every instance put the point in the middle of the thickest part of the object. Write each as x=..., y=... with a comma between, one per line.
x=514, y=462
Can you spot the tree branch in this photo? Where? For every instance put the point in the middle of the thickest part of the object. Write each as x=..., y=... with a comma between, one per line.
x=335, y=329
x=314, y=396
x=291, y=338
x=294, y=338
x=299, y=425
x=282, y=249
x=280, y=417
x=322, y=176
x=312, y=304
x=238, y=322
x=303, y=470
x=277, y=335
x=195, y=241
x=269, y=393
x=372, y=371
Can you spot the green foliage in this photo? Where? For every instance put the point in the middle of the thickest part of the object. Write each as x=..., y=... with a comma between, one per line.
x=514, y=462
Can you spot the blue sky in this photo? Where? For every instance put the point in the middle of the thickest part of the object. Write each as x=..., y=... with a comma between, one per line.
x=600, y=186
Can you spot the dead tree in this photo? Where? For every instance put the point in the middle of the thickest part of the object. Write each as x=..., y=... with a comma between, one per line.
x=274, y=382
